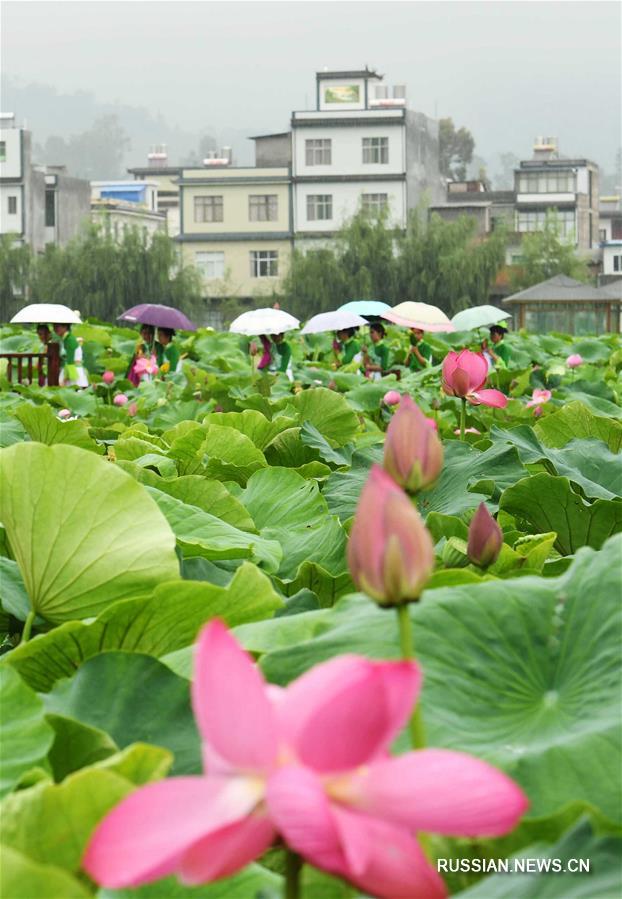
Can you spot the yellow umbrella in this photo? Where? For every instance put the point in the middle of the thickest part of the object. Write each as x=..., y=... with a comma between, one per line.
x=419, y=315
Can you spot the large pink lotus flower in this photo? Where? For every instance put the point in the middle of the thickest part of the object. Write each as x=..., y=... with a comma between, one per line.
x=539, y=396
x=413, y=454
x=574, y=360
x=146, y=365
x=464, y=375
x=309, y=763
x=390, y=552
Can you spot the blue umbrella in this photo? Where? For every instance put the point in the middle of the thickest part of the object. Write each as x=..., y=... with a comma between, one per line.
x=365, y=307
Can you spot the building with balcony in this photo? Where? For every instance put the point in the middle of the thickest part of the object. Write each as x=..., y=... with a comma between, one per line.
x=360, y=148
x=39, y=204
x=236, y=228
x=570, y=187
x=120, y=205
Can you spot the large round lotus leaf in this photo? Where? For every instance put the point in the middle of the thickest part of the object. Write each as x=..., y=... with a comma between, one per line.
x=83, y=533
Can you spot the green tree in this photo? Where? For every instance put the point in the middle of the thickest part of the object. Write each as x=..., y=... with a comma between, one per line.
x=101, y=275
x=15, y=266
x=545, y=254
x=437, y=262
x=455, y=148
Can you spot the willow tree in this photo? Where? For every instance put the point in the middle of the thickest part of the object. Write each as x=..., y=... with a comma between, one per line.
x=15, y=266
x=102, y=274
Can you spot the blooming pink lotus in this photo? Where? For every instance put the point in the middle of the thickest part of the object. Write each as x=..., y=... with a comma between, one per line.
x=108, y=377
x=539, y=396
x=64, y=414
x=464, y=374
x=391, y=398
x=146, y=365
x=574, y=360
x=413, y=454
x=120, y=399
x=309, y=763
x=390, y=552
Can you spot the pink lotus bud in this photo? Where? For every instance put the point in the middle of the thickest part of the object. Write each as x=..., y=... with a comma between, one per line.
x=537, y=411
x=390, y=552
x=132, y=409
x=391, y=398
x=332, y=385
x=485, y=538
x=574, y=360
x=252, y=348
x=539, y=396
x=120, y=399
x=64, y=414
x=413, y=454
x=108, y=377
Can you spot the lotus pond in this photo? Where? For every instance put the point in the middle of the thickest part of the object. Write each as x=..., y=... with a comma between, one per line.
x=211, y=684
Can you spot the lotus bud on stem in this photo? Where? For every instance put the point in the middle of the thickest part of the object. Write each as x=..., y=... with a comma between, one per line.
x=485, y=538
x=413, y=453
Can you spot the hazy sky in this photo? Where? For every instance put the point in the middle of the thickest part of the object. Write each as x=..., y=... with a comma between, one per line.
x=507, y=70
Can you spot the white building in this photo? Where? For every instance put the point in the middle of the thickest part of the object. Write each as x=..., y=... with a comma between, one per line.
x=127, y=204
x=361, y=147
x=39, y=204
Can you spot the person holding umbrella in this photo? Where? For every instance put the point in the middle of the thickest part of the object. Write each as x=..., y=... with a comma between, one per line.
x=73, y=372
x=167, y=353
x=146, y=349
x=277, y=355
x=499, y=353
x=378, y=363
x=346, y=347
x=419, y=353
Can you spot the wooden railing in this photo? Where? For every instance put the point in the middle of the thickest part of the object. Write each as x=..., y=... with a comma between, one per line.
x=21, y=367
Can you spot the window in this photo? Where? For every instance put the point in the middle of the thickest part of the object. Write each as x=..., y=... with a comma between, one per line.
x=208, y=209
x=617, y=263
x=12, y=208
x=2, y=151
x=546, y=182
x=264, y=263
x=263, y=207
x=318, y=152
x=319, y=207
x=376, y=150
x=602, y=234
x=211, y=265
x=50, y=208
x=535, y=221
x=374, y=204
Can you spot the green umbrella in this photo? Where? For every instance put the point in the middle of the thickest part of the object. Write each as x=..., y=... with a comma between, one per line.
x=478, y=317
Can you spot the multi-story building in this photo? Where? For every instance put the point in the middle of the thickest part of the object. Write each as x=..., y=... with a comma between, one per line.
x=236, y=228
x=360, y=148
x=127, y=204
x=610, y=235
x=165, y=177
x=568, y=186
x=39, y=204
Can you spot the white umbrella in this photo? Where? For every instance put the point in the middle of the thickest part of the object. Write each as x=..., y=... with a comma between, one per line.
x=333, y=321
x=263, y=321
x=478, y=317
x=46, y=313
x=419, y=315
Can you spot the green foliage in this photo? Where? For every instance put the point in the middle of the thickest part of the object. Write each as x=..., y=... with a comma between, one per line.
x=433, y=261
x=15, y=266
x=102, y=274
x=545, y=254
x=455, y=148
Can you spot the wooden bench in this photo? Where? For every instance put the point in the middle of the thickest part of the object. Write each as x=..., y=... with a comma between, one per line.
x=22, y=366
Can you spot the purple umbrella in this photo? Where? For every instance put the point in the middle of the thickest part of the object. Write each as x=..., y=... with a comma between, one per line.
x=159, y=316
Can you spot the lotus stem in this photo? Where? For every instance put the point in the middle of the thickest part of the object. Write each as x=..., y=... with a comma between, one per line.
x=417, y=731
x=293, y=867
x=462, y=418
x=27, y=626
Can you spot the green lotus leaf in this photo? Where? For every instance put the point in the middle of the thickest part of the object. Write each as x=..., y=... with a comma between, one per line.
x=83, y=533
x=25, y=735
x=23, y=878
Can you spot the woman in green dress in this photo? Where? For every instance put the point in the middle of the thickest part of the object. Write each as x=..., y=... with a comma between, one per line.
x=419, y=353
x=346, y=347
x=376, y=363
x=499, y=354
x=167, y=354
x=73, y=372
